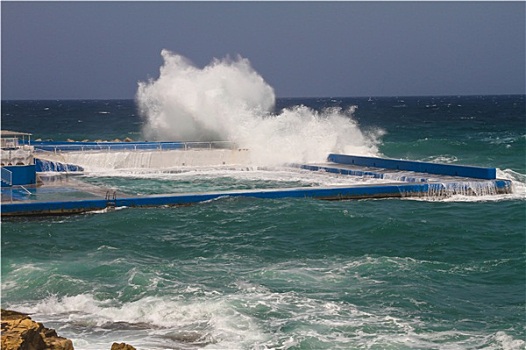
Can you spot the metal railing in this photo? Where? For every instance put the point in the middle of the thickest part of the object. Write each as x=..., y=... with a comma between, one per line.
x=134, y=146
x=7, y=176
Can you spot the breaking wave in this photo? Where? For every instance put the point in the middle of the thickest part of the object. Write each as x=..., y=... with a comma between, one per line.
x=229, y=100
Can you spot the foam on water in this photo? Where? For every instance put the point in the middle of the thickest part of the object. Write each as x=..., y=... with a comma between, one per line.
x=243, y=174
x=228, y=100
x=212, y=179
x=270, y=313
x=202, y=171
x=485, y=191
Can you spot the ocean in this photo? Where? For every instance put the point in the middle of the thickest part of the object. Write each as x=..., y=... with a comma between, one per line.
x=432, y=273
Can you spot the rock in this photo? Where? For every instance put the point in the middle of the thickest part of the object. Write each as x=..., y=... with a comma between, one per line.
x=128, y=139
x=70, y=140
x=121, y=346
x=19, y=332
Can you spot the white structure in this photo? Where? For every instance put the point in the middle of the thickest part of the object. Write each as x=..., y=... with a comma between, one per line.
x=13, y=151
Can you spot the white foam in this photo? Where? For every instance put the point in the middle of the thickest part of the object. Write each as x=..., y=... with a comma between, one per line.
x=148, y=320
x=507, y=342
x=487, y=194
x=259, y=317
x=479, y=191
x=228, y=100
x=183, y=178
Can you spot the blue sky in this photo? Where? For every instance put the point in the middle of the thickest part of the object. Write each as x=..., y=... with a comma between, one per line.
x=101, y=50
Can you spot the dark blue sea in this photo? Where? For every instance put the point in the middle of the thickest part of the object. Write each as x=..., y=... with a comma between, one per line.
x=435, y=273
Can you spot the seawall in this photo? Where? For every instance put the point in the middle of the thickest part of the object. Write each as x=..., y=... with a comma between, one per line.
x=406, y=179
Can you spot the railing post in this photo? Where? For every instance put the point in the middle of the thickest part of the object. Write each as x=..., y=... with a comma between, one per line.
x=7, y=176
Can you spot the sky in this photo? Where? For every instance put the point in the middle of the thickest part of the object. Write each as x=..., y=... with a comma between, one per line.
x=102, y=50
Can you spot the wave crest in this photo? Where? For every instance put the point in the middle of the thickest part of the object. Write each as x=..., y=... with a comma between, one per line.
x=229, y=100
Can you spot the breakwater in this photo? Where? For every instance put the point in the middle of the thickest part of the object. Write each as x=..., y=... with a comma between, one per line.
x=408, y=179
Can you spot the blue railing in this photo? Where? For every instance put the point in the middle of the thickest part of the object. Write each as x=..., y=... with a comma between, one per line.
x=130, y=146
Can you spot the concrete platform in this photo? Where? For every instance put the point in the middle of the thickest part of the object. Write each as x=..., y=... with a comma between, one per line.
x=409, y=180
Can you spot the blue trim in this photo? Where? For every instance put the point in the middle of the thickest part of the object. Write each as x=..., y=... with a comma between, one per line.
x=47, y=208
x=421, y=167
x=58, y=207
x=359, y=172
x=334, y=193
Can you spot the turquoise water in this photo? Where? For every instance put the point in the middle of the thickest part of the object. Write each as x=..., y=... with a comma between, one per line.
x=284, y=274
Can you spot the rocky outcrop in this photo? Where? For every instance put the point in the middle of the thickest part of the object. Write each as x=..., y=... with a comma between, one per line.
x=121, y=346
x=20, y=332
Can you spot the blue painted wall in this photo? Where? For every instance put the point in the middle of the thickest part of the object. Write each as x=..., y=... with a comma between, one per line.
x=22, y=174
x=337, y=193
x=43, y=165
x=421, y=167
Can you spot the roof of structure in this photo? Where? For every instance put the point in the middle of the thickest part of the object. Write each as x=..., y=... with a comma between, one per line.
x=8, y=133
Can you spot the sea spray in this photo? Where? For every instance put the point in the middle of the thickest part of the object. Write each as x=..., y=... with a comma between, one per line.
x=190, y=104
x=229, y=100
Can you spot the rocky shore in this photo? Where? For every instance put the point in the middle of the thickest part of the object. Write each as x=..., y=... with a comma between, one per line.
x=20, y=332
